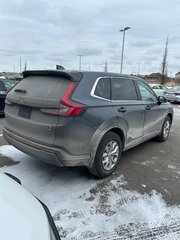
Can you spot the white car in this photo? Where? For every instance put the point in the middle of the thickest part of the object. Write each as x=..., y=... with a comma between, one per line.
x=173, y=94
x=22, y=216
x=159, y=89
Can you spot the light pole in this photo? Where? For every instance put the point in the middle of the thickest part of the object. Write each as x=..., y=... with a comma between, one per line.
x=80, y=55
x=122, y=53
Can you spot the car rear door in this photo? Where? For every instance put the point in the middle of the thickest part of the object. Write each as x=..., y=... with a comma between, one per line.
x=25, y=104
x=130, y=111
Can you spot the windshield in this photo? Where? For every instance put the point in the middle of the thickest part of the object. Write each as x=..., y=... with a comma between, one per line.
x=6, y=85
x=175, y=89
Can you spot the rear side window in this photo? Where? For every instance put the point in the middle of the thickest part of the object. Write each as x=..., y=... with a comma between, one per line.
x=103, y=88
x=123, y=89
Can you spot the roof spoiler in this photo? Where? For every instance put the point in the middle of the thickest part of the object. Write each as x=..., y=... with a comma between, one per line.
x=71, y=75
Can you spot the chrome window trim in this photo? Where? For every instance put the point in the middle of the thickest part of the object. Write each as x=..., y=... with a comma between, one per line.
x=106, y=99
x=94, y=88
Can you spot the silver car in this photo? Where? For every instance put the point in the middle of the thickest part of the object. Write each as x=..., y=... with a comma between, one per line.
x=173, y=94
x=159, y=89
x=71, y=118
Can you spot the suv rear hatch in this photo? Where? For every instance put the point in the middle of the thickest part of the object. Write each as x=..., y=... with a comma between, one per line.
x=32, y=106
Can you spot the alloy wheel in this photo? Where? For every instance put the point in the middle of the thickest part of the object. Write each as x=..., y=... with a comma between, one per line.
x=166, y=129
x=110, y=155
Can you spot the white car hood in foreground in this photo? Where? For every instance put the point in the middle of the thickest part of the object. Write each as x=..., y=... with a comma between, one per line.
x=21, y=214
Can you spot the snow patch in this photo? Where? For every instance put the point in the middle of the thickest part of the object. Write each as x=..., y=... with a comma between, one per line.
x=92, y=209
x=172, y=167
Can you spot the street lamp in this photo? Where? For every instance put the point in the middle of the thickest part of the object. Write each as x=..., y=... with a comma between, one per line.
x=122, y=54
x=80, y=55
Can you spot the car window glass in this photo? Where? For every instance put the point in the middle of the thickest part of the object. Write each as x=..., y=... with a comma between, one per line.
x=123, y=89
x=163, y=87
x=146, y=93
x=2, y=86
x=103, y=88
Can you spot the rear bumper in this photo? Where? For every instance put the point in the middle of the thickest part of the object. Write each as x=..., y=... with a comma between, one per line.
x=51, y=155
x=172, y=99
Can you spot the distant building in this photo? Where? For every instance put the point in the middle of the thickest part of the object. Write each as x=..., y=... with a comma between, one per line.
x=177, y=77
x=153, y=78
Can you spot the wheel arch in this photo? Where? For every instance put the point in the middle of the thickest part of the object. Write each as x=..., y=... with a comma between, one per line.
x=120, y=133
x=170, y=116
x=95, y=141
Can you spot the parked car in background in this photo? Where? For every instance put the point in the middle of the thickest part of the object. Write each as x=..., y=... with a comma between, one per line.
x=22, y=215
x=173, y=94
x=159, y=89
x=9, y=83
x=5, y=86
x=71, y=118
x=3, y=91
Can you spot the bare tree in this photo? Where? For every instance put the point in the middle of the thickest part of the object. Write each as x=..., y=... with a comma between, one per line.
x=164, y=63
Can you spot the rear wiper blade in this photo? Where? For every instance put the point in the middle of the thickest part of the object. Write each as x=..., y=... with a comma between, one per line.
x=20, y=90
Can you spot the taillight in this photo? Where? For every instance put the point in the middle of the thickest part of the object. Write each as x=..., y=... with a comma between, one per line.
x=67, y=106
x=178, y=93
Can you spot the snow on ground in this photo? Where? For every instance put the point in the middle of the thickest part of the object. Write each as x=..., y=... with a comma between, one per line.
x=94, y=209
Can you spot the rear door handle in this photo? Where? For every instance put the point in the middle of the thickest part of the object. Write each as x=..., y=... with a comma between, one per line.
x=148, y=108
x=122, y=109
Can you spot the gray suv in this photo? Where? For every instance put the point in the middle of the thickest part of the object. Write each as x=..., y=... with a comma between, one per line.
x=71, y=118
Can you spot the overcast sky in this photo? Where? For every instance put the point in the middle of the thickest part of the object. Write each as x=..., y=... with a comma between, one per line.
x=49, y=32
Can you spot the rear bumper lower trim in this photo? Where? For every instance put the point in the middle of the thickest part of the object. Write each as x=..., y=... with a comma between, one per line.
x=51, y=155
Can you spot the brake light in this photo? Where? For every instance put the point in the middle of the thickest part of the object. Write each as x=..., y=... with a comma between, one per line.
x=67, y=106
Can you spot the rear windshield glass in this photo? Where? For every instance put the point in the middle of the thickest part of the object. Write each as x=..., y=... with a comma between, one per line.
x=44, y=86
x=39, y=91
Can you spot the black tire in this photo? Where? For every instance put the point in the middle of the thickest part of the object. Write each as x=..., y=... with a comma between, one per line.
x=103, y=168
x=162, y=137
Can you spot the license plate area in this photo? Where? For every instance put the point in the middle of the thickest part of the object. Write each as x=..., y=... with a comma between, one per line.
x=171, y=95
x=25, y=112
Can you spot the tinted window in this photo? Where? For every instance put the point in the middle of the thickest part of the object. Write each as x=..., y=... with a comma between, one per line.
x=103, y=88
x=163, y=87
x=156, y=87
x=146, y=93
x=123, y=89
x=175, y=89
x=2, y=86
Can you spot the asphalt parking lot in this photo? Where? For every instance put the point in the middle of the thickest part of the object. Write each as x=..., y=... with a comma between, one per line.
x=154, y=165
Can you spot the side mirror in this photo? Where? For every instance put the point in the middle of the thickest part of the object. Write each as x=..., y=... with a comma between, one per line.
x=161, y=99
